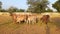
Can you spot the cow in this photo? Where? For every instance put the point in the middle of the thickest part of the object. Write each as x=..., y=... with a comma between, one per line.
x=21, y=19
x=45, y=18
x=32, y=19
x=14, y=17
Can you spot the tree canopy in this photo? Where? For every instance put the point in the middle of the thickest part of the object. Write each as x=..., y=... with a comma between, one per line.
x=37, y=6
x=12, y=9
x=0, y=6
x=56, y=5
x=21, y=10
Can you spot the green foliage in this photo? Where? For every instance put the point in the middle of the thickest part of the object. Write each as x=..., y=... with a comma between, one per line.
x=3, y=10
x=12, y=9
x=0, y=4
x=49, y=10
x=37, y=6
x=21, y=10
x=56, y=5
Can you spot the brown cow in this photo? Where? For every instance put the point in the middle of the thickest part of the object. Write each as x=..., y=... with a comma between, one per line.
x=45, y=18
x=14, y=16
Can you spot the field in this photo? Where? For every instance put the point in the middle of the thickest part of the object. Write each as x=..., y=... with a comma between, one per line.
x=7, y=27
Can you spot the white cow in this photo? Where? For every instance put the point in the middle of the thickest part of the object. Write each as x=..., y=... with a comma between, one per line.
x=32, y=19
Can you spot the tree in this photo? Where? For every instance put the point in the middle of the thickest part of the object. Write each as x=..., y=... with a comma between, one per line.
x=0, y=5
x=12, y=9
x=49, y=10
x=56, y=5
x=3, y=10
x=37, y=6
x=21, y=10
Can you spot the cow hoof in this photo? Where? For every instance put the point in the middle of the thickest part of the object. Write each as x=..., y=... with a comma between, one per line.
x=17, y=23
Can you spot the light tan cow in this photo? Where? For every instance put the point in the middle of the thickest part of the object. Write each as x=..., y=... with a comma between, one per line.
x=21, y=18
x=14, y=17
x=32, y=19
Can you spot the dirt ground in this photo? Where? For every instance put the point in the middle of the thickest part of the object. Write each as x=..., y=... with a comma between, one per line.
x=7, y=27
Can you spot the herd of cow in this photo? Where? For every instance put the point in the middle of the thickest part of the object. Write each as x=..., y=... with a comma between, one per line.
x=30, y=19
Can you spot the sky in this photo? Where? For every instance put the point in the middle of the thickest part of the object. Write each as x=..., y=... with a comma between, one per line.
x=21, y=4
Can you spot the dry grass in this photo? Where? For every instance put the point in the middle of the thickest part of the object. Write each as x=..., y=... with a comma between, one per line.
x=7, y=27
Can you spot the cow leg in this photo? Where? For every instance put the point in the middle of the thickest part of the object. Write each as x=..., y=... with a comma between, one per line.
x=36, y=20
x=18, y=22
x=28, y=21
